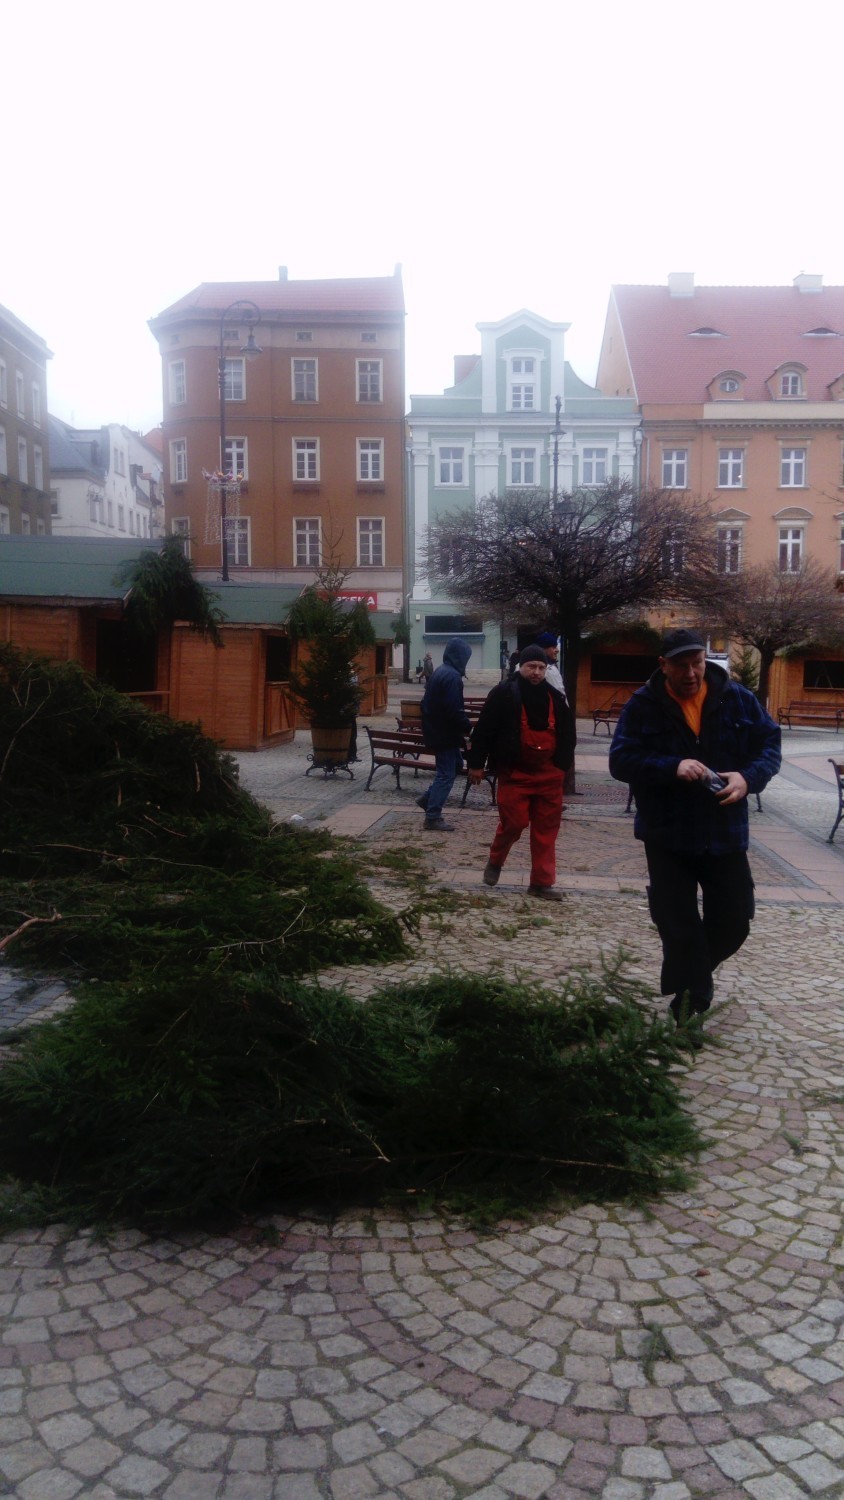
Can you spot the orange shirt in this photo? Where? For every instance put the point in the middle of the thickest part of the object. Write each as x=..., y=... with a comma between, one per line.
x=692, y=708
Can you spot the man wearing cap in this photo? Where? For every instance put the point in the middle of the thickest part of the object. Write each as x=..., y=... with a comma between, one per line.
x=526, y=734
x=553, y=675
x=688, y=721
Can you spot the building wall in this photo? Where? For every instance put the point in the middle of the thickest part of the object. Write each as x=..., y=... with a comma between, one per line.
x=482, y=419
x=24, y=481
x=271, y=420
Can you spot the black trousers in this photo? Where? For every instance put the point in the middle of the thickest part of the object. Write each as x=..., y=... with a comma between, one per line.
x=694, y=942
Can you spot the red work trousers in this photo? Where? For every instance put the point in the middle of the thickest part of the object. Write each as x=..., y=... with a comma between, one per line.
x=530, y=798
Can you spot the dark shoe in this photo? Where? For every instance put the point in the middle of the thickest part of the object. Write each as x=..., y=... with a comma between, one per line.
x=438, y=825
x=422, y=802
x=544, y=892
x=491, y=873
x=689, y=1003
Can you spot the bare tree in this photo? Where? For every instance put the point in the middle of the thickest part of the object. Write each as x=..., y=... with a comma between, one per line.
x=587, y=556
x=772, y=611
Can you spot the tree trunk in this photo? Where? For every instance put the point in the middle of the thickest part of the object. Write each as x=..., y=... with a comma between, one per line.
x=571, y=639
x=765, y=662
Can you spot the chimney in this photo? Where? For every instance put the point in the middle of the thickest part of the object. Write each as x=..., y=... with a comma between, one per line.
x=808, y=283
x=681, y=283
x=464, y=364
x=282, y=273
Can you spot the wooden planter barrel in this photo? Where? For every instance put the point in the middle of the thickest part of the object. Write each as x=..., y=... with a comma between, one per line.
x=331, y=746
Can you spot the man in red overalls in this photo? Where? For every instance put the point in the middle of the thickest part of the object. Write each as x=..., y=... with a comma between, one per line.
x=526, y=734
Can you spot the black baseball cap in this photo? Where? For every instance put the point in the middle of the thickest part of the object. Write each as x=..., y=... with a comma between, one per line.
x=678, y=641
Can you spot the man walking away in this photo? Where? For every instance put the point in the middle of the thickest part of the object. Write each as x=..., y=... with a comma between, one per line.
x=688, y=721
x=445, y=725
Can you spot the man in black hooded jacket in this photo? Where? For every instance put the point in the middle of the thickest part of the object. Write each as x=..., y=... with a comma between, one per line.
x=445, y=724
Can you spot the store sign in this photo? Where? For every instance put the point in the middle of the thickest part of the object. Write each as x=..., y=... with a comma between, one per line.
x=369, y=600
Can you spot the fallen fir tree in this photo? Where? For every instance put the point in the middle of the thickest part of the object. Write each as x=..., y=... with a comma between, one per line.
x=172, y=1101
x=198, y=1074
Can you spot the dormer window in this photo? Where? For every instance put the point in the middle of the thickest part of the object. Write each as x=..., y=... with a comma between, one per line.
x=727, y=385
x=788, y=382
x=707, y=333
x=821, y=333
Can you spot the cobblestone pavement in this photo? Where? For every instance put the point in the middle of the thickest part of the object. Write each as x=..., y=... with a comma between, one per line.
x=693, y=1351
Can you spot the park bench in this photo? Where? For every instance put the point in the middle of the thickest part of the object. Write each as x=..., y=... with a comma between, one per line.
x=838, y=768
x=822, y=714
x=405, y=749
x=608, y=714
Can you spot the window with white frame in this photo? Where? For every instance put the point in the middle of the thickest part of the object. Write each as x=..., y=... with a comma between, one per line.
x=307, y=538
x=594, y=466
x=178, y=461
x=26, y=525
x=728, y=549
x=38, y=467
x=234, y=380
x=4, y=389
x=95, y=503
x=451, y=467
x=36, y=404
x=369, y=379
x=304, y=336
x=55, y=503
x=110, y=507
x=730, y=468
x=306, y=458
x=523, y=391
x=304, y=375
x=791, y=383
x=675, y=468
x=522, y=466
x=370, y=542
x=121, y=518
x=790, y=549
x=792, y=468
x=236, y=457
x=370, y=460
x=178, y=382
x=19, y=387
x=4, y=520
x=23, y=461
x=237, y=540
x=4, y=462
x=40, y=528
x=180, y=527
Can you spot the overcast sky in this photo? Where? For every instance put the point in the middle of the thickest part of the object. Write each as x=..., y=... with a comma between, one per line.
x=507, y=156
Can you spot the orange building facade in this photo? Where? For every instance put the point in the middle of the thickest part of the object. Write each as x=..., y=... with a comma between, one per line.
x=313, y=425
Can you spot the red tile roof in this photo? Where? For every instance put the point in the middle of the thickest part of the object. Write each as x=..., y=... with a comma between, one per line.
x=351, y=296
x=764, y=327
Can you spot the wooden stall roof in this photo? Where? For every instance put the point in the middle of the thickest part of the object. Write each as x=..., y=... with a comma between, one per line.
x=70, y=570
x=254, y=603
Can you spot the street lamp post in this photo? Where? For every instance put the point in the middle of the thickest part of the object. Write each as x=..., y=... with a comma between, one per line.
x=251, y=317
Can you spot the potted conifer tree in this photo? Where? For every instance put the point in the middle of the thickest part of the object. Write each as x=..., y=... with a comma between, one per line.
x=331, y=632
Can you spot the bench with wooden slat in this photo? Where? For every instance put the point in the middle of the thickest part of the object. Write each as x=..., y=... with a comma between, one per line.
x=801, y=711
x=608, y=715
x=405, y=749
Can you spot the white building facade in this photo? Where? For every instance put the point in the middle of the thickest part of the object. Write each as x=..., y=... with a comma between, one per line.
x=106, y=481
x=496, y=430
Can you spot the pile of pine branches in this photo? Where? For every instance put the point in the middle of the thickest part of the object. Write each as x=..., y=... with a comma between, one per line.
x=172, y=1100
x=200, y=1072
